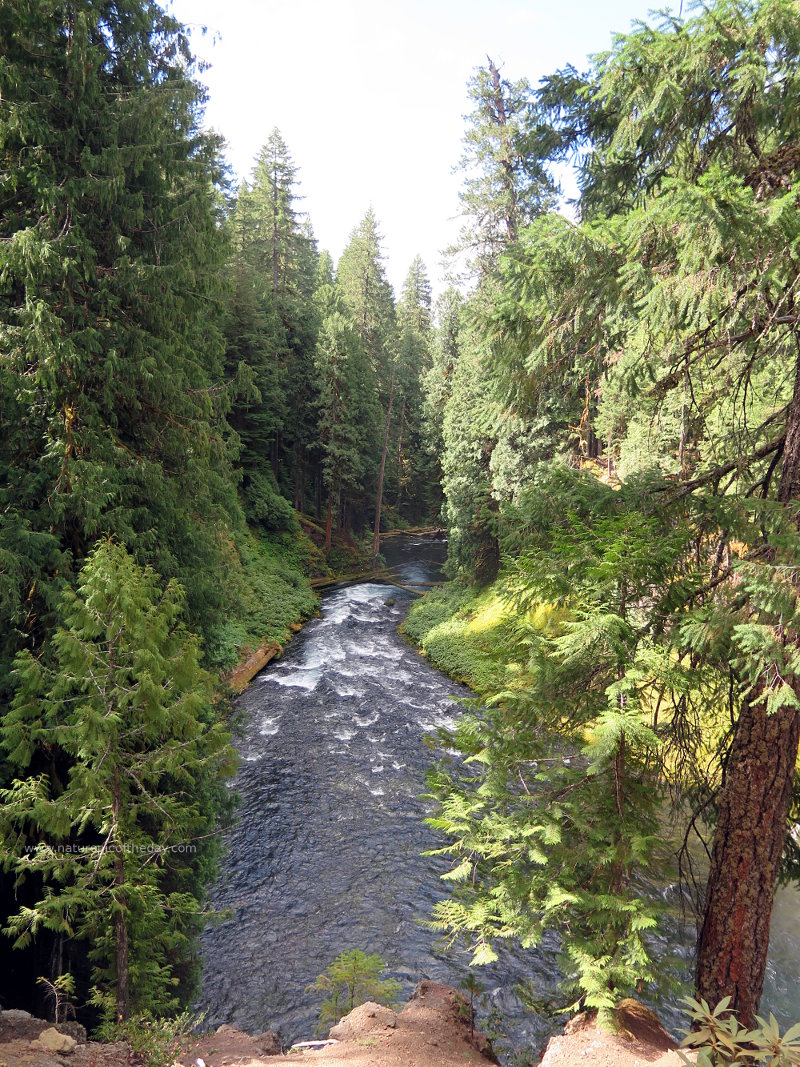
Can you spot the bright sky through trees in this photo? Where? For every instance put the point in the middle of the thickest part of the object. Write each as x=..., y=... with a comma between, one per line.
x=369, y=96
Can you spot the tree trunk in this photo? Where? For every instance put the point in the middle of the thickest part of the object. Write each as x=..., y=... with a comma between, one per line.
x=328, y=526
x=748, y=844
x=120, y=924
x=376, y=535
x=753, y=807
x=400, y=453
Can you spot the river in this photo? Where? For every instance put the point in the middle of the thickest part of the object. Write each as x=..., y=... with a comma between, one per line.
x=327, y=851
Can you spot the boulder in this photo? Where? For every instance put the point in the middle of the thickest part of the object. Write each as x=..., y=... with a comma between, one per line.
x=15, y=1015
x=51, y=1040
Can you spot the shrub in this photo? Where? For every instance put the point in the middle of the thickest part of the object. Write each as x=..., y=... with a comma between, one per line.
x=352, y=978
x=719, y=1038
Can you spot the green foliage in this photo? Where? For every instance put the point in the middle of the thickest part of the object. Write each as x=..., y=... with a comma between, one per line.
x=157, y=1041
x=717, y=1038
x=505, y=183
x=467, y=633
x=60, y=992
x=352, y=978
x=653, y=339
x=115, y=840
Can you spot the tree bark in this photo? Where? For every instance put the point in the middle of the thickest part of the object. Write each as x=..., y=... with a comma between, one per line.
x=748, y=844
x=752, y=811
x=120, y=924
x=328, y=526
x=376, y=534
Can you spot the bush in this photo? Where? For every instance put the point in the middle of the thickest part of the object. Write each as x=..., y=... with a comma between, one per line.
x=720, y=1040
x=352, y=978
x=157, y=1042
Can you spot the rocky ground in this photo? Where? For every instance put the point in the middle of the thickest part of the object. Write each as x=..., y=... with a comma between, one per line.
x=29, y=1042
x=431, y=1030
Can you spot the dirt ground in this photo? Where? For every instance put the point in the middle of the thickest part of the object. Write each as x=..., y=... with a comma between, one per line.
x=19, y=1034
x=431, y=1030
x=641, y=1041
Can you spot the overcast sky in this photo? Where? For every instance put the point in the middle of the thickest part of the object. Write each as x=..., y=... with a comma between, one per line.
x=370, y=96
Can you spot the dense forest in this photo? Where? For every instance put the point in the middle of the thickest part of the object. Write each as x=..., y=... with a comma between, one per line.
x=200, y=412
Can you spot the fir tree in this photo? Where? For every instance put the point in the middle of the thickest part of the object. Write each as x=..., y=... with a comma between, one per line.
x=670, y=307
x=111, y=351
x=111, y=842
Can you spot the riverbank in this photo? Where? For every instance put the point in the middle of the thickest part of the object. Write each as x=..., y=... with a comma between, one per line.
x=472, y=635
x=432, y=1030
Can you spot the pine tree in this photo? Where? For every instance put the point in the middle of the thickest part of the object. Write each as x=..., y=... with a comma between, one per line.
x=361, y=281
x=670, y=305
x=126, y=701
x=111, y=351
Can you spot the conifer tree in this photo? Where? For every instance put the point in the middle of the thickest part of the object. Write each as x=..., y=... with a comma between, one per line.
x=505, y=184
x=278, y=251
x=361, y=281
x=346, y=409
x=112, y=842
x=111, y=363
x=672, y=305
x=414, y=471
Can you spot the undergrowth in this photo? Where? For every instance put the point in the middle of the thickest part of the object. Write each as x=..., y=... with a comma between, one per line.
x=274, y=593
x=471, y=634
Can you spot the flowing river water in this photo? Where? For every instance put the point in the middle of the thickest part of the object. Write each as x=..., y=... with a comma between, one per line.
x=327, y=850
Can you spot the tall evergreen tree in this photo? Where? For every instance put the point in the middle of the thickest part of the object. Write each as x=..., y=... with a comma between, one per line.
x=346, y=410
x=278, y=249
x=415, y=474
x=111, y=362
x=672, y=304
x=361, y=280
x=506, y=185
x=112, y=381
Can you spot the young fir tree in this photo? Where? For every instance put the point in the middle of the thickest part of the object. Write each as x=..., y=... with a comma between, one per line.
x=673, y=302
x=115, y=837
x=556, y=806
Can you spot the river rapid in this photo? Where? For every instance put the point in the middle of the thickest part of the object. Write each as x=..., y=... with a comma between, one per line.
x=327, y=850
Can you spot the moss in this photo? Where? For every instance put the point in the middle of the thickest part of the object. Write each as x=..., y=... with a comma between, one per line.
x=473, y=634
x=274, y=593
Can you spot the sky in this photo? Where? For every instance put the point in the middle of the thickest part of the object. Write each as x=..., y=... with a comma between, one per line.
x=370, y=95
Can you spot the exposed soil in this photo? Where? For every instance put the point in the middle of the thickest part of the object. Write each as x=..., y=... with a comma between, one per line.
x=19, y=1034
x=641, y=1040
x=431, y=1030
